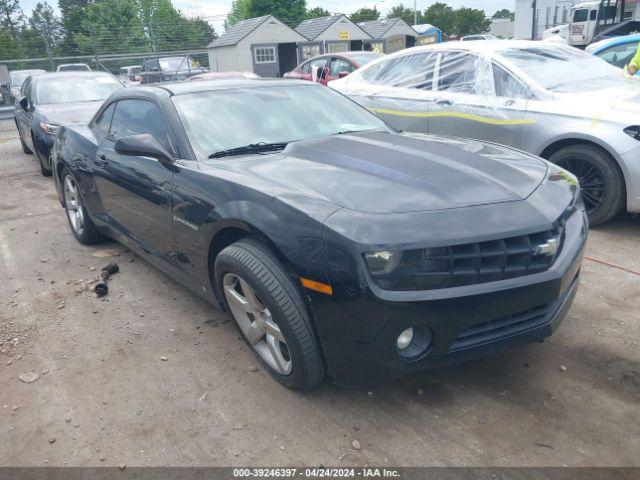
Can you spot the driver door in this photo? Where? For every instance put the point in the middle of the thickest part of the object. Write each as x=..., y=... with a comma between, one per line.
x=476, y=98
x=136, y=191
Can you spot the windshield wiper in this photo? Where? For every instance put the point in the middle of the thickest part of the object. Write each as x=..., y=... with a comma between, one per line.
x=251, y=148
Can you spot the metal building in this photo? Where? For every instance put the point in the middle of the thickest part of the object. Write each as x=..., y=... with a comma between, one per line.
x=389, y=35
x=263, y=45
x=332, y=34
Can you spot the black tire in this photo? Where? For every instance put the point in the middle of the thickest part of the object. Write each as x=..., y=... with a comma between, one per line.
x=25, y=149
x=89, y=234
x=252, y=261
x=601, y=181
x=46, y=172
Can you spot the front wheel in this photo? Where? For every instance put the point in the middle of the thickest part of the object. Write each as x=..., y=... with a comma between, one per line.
x=270, y=313
x=601, y=181
x=81, y=224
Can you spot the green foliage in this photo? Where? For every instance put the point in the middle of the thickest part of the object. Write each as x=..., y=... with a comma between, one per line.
x=442, y=16
x=240, y=10
x=406, y=14
x=505, y=13
x=316, y=12
x=11, y=17
x=365, y=15
x=471, y=21
x=290, y=12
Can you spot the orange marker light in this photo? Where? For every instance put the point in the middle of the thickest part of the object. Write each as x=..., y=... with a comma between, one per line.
x=317, y=286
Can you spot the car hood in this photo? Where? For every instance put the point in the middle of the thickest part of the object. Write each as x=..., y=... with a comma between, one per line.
x=382, y=172
x=70, y=113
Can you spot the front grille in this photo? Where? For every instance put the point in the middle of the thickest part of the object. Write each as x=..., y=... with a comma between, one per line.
x=474, y=263
x=501, y=328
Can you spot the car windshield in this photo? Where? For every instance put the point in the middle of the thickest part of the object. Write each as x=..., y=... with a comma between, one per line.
x=563, y=69
x=177, y=63
x=222, y=119
x=18, y=78
x=364, y=59
x=75, y=89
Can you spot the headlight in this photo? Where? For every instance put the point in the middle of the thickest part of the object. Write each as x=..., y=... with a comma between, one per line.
x=383, y=262
x=49, y=128
x=633, y=132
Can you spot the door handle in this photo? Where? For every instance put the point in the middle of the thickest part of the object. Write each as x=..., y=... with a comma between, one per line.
x=446, y=103
x=101, y=161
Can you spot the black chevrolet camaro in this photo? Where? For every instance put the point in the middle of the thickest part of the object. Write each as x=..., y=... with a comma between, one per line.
x=340, y=247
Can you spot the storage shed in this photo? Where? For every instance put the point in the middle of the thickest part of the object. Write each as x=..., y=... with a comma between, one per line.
x=263, y=45
x=427, y=34
x=389, y=35
x=332, y=34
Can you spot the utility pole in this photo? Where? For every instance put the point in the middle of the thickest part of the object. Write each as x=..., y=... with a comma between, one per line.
x=534, y=23
x=415, y=12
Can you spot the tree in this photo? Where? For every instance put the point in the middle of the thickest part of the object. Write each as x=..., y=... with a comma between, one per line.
x=504, y=13
x=442, y=16
x=365, y=15
x=45, y=24
x=11, y=17
x=290, y=12
x=471, y=21
x=316, y=12
x=239, y=11
x=406, y=14
x=72, y=14
x=111, y=26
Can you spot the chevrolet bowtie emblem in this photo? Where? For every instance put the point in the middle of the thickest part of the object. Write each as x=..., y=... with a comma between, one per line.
x=550, y=247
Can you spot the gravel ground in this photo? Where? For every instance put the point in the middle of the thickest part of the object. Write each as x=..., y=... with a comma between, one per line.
x=152, y=376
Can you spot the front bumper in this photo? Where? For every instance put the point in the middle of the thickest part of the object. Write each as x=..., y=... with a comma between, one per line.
x=358, y=335
x=630, y=163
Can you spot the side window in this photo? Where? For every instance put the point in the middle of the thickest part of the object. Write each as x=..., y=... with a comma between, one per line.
x=339, y=65
x=25, y=91
x=133, y=117
x=457, y=73
x=406, y=71
x=619, y=55
x=319, y=62
x=581, y=15
x=306, y=67
x=593, y=15
x=103, y=122
x=507, y=85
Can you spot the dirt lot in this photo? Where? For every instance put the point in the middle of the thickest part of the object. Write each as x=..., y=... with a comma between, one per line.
x=151, y=375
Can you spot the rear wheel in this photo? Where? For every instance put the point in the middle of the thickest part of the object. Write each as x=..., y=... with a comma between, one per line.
x=270, y=313
x=601, y=182
x=81, y=225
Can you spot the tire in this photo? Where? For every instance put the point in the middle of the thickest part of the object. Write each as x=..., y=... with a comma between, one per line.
x=25, y=149
x=251, y=262
x=601, y=181
x=46, y=172
x=87, y=233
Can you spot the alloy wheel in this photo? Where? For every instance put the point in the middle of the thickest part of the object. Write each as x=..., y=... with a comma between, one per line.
x=256, y=323
x=592, y=182
x=73, y=205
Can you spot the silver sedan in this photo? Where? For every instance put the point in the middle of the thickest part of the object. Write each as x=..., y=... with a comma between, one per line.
x=547, y=99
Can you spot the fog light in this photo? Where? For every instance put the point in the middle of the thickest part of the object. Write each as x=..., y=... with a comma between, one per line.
x=405, y=338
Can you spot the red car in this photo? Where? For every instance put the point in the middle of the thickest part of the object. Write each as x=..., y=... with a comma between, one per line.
x=332, y=65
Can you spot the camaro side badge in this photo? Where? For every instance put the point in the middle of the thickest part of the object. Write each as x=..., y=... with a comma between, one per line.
x=550, y=247
x=184, y=222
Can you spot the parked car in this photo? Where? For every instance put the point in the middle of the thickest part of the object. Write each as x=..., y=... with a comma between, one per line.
x=17, y=79
x=332, y=66
x=130, y=75
x=339, y=246
x=224, y=76
x=73, y=67
x=50, y=100
x=548, y=99
x=470, y=38
x=169, y=69
x=617, y=51
x=5, y=85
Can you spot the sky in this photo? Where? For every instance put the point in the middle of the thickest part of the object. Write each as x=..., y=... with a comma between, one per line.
x=219, y=8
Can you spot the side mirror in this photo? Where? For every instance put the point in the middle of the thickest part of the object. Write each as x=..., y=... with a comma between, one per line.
x=343, y=74
x=24, y=103
x=143, y=145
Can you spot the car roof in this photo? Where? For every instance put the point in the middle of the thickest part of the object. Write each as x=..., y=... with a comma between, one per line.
x=72, y=74
x=612, y=42
x=180, y=88
x=487, y=46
